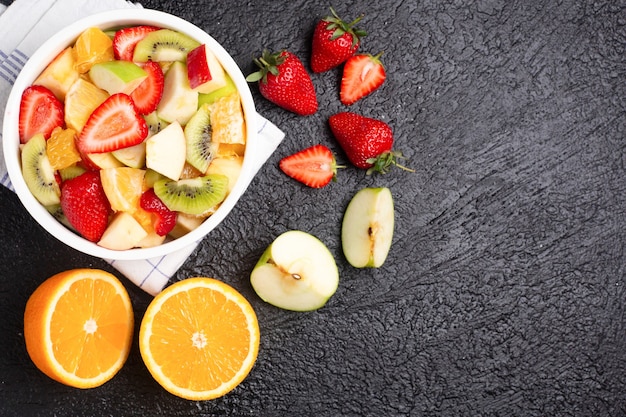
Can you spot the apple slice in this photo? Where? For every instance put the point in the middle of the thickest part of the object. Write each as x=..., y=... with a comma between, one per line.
x=166, y=151
x=296, y=272
x=204, y=71
x=229, y=166
x=367, y=228
x=117, y=76
x=178, y=102
x=60, y=74
x=124, y=232
x=133, y=156
x=211, y=97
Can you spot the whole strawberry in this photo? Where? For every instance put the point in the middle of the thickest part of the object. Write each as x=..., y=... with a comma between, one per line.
x=85, y=205
x=283, y=80
x=334, y=41
x=367, y=142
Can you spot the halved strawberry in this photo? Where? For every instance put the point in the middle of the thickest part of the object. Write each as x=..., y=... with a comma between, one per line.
x=314, y=166
x=362, y=74
x=165, y=218
x=40, y=112
x=124, y=40
x=148, y=94
x=85, y=205
x=113, y=125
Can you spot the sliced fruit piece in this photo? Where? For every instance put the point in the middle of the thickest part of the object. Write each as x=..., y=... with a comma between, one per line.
x=85, y=205
x=123, y=233
x=190, y=172
x=117, y=76
x=70, y=172
x=61, y=148
x=198, y=135
x=231, y=149
x=78, y=327
x=367, y=227
x=148, y=94
x=164, y=45
x=123, y=187
x=133, y=156
x=155, y=124
x=151, y=240
x=38, y=173
x=195, y=196
x=165, y=219
x=179, y=102
x=362, y=75
x=204, y=71
x=166, y=151
x=296, y=272
x=40, y=112
x=227, y=120
x=151, y=177
x=115, y=124
x=211, y=97
x=229, y=166
x=81, y=100
x=92, y=46
x=314, y=166
x=60, y=74
x=97, y=161
x=125, y=39
x=185, y=223
x=204, y=325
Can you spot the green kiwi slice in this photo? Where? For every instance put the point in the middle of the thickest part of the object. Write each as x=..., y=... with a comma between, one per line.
x=70, y=172
x=155, y=123
x=38, y=173
x=198, y=132
x=164, y=45
x=195, y=196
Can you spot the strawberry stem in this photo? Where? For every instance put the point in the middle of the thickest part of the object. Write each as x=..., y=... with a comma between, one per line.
x=268, y=62
x=340, y=27
x=383, y=162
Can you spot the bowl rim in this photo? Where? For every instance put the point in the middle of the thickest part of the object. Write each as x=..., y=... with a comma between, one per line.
x=51, y=48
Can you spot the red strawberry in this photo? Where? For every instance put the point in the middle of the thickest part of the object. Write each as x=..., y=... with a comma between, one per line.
x=334, y=41
x=40, y=112
x=148, y=94
x=367, y=142
x=124, y=40
x=113, y=125
x=362, y=74
x=314, y=166
x=165, y=218
x=85, y=205
x=284, y=81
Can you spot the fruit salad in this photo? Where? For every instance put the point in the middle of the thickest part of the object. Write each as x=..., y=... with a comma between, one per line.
x=132, y=137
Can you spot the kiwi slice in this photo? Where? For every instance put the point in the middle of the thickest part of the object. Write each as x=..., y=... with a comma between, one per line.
x=38, y=173
x=70, y=172
x=198, y=132
x=194, y=196
x=164, y=45
x=155, y=123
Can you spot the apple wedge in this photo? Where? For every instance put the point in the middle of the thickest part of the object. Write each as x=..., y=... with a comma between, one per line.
x=117, y=76
x=123, y=233
x=367, y=227
x=179, y=102
x=204, y=71
x=60, y=74
x=296, y=272
x=166, y=151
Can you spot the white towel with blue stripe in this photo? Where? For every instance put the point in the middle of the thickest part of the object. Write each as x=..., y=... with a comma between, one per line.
x=24, y=26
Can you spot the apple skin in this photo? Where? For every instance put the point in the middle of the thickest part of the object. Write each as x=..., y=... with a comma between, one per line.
x=367, y=227
x=296, y=272
x=204, y=71
x=117, y=76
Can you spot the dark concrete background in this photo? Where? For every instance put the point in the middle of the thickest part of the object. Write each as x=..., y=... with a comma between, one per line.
x=504, y=291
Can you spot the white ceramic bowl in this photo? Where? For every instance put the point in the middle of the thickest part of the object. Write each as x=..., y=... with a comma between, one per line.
x=45, y=54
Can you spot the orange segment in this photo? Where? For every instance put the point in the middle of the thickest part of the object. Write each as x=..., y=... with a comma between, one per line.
x=61, y=148
x=123, y=187
x=91, y=47
x=227, y=120
x=81, y=100
x=199, y=338
x=78, y=327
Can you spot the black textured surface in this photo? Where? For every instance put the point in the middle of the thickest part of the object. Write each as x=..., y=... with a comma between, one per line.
x=504, y=291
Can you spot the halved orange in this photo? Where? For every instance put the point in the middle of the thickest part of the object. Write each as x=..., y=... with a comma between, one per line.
x=78, y=327
x=199, y=338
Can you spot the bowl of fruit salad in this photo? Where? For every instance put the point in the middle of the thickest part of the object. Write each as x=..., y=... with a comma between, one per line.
x=126, y=133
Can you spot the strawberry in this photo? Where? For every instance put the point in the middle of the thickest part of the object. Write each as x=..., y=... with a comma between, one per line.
x=284, y=81
x=334, y=41
x=165, y=218
x=124, y=40
x=85, y=205
x=113, y=125
x=367, y=142
x=314, y=166
x=148, y=94
x=362, y=74
x=40, y=112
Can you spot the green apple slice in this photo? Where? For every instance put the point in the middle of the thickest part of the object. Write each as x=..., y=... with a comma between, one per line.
x=296, y=272
x=117, y=76
x=367, y=228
